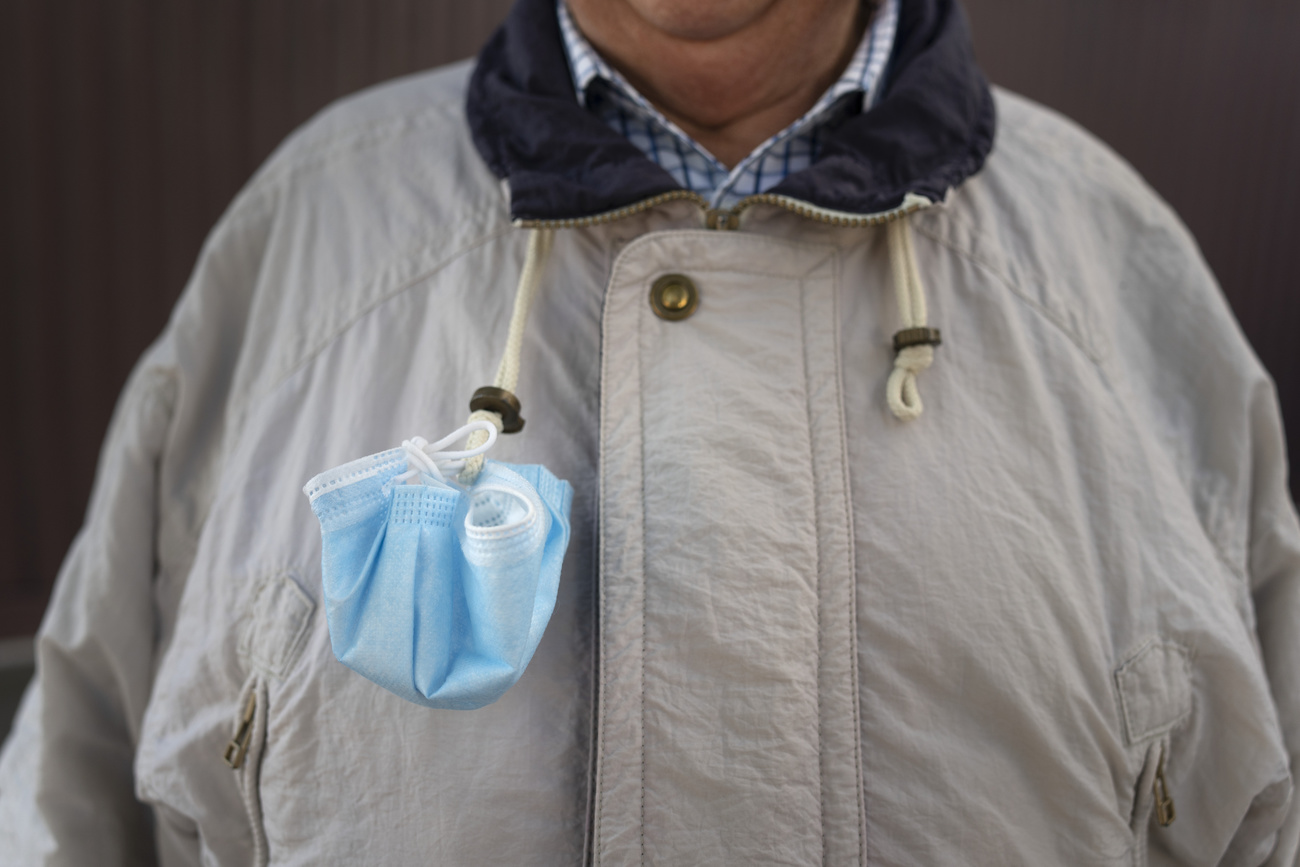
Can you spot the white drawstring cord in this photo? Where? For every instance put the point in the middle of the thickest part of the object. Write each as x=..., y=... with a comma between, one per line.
x=914, y=344
x=539, y=248
x=914, y=352
x=423, y=456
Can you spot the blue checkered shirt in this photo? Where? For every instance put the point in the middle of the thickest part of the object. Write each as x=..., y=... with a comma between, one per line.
x=608, y=94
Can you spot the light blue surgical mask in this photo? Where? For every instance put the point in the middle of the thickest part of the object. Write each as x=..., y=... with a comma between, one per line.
x=436, y=591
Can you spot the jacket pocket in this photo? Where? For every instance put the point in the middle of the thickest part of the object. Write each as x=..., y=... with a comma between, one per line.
x=1155, y=691
x=1155, y=697
x=1215, y=772
x=277, y=626
x=275, y=632
x=1152, y=801
x=244, y=756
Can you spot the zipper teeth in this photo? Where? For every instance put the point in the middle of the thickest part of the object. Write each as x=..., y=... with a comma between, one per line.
x=730, y=219
x=910, y=203
x=617, y=213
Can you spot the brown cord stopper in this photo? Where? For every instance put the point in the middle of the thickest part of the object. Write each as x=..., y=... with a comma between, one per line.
x=501, y=402
x=916, y=337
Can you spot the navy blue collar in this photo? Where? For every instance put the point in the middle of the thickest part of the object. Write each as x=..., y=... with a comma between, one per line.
x=931, y=129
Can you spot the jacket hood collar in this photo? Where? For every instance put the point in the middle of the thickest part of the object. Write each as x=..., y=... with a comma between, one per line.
x=930, y=130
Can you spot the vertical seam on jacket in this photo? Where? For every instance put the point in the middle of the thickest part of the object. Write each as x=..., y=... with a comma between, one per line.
x=640, y=378
x=817, y=564
x=602, y=761
x=593, y=724
x=590, y=836
x=855, y=686
x=604, y=679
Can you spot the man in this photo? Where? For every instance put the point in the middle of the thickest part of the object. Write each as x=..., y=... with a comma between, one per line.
x=929, y=507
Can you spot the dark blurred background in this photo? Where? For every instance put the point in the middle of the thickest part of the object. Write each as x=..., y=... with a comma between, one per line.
x=130, y=124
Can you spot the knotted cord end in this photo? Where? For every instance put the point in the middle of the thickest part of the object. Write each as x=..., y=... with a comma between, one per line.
x=914, y=344
x=903, y=395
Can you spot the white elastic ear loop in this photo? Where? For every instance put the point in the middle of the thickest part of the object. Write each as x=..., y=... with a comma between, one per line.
x=434, y=459
x=539, y=248
x=439, y=450
x=901, y=392
x=417, y=461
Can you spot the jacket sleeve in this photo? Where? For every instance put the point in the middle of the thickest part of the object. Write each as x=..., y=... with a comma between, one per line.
x=95, y=647
x=1188, y=369
x=1237, y=471
x=1274, y=566
x=68, y=793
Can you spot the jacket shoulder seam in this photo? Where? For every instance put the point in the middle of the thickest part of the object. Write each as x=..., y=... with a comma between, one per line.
x=1015, y=289
x=241, y=411
x=1010, y=283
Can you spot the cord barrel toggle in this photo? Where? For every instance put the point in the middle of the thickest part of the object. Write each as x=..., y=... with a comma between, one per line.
x=501, y=402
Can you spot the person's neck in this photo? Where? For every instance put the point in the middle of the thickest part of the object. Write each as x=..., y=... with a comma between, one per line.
x=730, y=74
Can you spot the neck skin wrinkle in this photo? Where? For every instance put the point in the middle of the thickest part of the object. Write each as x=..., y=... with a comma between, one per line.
x=730, y=73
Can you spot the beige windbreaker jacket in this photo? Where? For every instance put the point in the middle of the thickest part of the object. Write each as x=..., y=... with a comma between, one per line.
x=1055, y=611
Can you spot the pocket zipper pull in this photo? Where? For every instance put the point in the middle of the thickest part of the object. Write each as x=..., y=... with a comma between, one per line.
x=1165, y=814
x=238, y=746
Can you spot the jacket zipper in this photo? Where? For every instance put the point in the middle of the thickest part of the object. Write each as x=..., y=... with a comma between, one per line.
x=244, y=756
x=1151, y=800
x=729, y=219
x=238, y=746
x=1164, y=802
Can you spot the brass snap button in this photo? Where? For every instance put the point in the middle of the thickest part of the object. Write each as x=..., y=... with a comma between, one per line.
x=673, y=297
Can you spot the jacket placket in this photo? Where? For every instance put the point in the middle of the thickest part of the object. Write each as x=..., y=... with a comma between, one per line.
x=728, y=702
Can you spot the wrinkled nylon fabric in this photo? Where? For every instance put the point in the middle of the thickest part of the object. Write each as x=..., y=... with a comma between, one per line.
x=1099, y=471
x=730, y=611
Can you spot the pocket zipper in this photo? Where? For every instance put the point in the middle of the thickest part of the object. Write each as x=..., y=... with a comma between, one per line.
x=1165, y=813
x=238, y=746
x=243, y=754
